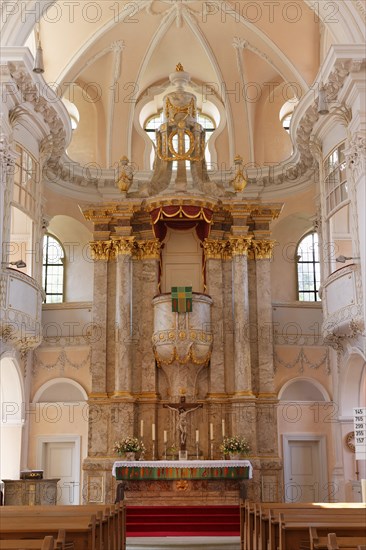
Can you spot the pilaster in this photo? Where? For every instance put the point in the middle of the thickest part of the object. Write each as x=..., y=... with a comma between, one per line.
x=214, y=251
x=98, y=359
x=242, y=365
x=124, y=323
x=262, y=250
x=149, y=255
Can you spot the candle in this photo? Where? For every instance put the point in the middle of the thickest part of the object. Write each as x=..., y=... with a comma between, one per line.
x=142, y=428
x=223, y=427
x=165, y=436
x=153, y=432
x=363, y=490
x=211, y=431
x=197, y=436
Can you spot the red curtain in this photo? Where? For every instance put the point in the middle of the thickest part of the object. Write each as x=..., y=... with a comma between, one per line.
x=181, y=218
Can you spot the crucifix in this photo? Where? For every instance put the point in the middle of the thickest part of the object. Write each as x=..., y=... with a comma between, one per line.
x=182, y=409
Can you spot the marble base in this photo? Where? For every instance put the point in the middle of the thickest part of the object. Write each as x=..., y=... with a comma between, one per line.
x=182, y=492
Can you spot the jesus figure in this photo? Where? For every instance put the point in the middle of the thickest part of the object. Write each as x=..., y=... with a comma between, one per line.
x=183, y=409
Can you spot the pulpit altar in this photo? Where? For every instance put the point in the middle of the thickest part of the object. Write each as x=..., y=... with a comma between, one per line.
x=184, y=481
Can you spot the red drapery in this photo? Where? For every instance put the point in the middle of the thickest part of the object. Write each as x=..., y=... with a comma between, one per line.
x=182, y=218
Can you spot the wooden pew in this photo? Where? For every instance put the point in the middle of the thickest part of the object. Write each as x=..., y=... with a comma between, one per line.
x=246, y=524
x=79, y=530
x=267, y=528
x=344, y=543
x=46, y=544
x=255, y=529
x=334, y=542
x=296, y=515
x=110, y=520
x=294, y=531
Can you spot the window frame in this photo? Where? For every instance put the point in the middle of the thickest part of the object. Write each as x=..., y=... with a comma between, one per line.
x=315, y=289
x=46, y=265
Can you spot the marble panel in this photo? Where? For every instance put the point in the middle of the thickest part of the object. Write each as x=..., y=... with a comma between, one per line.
x=214, y=280
x=99, y=312
x=265, y=331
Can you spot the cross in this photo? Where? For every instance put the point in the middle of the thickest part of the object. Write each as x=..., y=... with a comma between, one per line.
x=182, y=409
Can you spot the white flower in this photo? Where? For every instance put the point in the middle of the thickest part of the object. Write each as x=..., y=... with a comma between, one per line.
x=235, y=444
x=129, y=444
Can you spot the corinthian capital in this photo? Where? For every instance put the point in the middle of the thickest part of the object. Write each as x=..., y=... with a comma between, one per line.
x=239, y=246
x=7, y=156
x=356, y=154
x=101, y=250
x=149, y=250
x=263, y=250
x=124, y=246
x=215, y=249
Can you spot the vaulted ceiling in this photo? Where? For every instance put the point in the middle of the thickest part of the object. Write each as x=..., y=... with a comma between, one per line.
x=248, y=57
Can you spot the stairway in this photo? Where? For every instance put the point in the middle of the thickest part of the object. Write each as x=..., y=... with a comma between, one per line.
x=174, y=521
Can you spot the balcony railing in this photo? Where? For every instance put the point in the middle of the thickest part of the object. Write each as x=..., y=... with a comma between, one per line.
x=20, y=309
x=342, y=304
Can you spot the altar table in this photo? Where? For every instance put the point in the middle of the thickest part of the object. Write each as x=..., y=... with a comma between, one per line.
x=183, y=481
x=182, y=469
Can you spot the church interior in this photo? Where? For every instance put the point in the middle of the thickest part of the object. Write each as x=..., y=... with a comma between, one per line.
x=183, y=244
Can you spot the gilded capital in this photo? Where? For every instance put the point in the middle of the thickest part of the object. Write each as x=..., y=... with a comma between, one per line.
x=240, y=245
x=263, y=250
x=123, y=246
x=148, y=250
x=215, y=249
x=101, y=250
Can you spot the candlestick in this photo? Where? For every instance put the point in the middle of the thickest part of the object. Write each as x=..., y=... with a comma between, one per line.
x=165, y=436
x=211, y=451
x=153, y=432
x=197, y=450
x=211, y=431
x=142, y=428
x=153, y=449
x=223, y=427
x=165, y=450
x=197, y=436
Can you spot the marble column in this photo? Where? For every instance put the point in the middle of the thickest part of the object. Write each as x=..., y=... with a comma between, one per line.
x=263, y=253
x=243, y=383
x=101, y=251
x=214, y=250
x=149, y=254
x=124, y=323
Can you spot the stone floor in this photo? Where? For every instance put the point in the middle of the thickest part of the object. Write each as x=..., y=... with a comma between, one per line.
x=183, y=543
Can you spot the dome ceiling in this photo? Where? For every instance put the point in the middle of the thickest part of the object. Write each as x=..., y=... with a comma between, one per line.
x=253, y=55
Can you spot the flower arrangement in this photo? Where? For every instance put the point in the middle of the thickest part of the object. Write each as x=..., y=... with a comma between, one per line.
x=235, y=444
x=129, y=444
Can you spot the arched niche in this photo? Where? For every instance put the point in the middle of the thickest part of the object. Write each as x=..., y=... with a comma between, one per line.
x=11, y=403
x=63, y=390
x=352, y=383
x=303, y=389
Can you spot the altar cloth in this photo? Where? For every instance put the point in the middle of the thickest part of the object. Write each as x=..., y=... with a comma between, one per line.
x=181, y=469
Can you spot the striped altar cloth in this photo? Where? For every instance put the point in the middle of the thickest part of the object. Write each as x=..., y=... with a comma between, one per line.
x=182, y=469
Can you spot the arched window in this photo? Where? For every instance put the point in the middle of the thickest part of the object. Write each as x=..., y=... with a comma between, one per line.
x=308, y=268
x=53, y=270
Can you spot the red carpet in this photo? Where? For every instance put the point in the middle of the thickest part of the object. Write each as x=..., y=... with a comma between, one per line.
x=188, y=521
